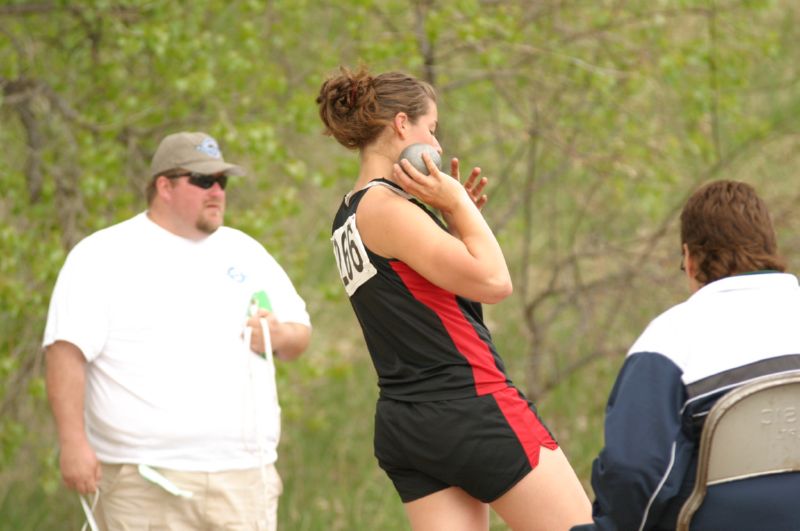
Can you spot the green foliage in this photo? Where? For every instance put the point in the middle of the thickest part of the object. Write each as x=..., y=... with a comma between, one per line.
x=593, y=120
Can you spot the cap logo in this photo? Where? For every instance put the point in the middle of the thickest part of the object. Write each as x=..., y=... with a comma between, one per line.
x=209, y=147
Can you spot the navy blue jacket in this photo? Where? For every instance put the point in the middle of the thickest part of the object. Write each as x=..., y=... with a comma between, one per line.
x=726, y=334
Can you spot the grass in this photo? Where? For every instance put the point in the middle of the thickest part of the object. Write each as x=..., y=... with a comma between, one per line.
x=26, y=506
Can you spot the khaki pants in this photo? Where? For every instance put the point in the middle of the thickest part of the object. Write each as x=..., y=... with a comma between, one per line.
x=240, y=500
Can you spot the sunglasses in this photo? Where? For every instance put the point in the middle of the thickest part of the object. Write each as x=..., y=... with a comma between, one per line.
x=204, y=181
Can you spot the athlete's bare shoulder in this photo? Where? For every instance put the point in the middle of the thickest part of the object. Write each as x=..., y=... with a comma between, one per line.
x=380, y=199
x=386, y=218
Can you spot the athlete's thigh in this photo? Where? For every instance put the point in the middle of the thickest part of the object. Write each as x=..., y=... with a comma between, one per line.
x=450, y=509
x=550, y=497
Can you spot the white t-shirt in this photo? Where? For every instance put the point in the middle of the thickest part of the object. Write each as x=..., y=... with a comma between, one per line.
x=159, y=318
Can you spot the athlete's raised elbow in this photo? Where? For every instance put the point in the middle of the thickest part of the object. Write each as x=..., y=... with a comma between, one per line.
x=498, y=290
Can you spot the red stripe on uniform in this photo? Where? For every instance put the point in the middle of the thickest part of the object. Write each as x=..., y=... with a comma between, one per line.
x=525, y=424
x=488, y=378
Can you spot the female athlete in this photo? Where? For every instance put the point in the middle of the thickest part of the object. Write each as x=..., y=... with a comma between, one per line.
x=451, y=431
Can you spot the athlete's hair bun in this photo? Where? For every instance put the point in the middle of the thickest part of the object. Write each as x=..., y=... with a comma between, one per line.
x=355, y=106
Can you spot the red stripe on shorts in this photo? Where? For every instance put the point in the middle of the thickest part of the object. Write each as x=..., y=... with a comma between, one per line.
x=525, y=424
x=488, y=378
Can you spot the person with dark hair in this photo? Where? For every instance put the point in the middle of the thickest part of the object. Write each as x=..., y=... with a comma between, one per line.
x=159, y=346
x=451, y=431
x=740, y=323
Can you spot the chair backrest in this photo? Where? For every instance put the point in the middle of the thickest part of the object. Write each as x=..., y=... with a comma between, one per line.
x=752, y=431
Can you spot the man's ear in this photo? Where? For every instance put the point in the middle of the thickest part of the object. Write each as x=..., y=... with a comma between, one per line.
x=163, y=186
x=688, y=262
x=690, y=265
x=400, y=124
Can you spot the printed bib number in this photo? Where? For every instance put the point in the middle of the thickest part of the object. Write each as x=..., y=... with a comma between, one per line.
x=351, y=257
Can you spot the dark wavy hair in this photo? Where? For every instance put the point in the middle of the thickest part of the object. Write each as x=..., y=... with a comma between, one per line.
x=728, y=231
x=355, y=106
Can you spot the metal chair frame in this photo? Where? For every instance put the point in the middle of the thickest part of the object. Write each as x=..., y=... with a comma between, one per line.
x=752, y=431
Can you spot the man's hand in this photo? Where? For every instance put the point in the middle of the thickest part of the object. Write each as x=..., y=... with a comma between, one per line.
x=257, y=339
x=80, y=468
x=288, y=340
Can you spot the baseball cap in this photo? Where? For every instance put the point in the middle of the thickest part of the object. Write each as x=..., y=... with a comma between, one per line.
x=192, y=151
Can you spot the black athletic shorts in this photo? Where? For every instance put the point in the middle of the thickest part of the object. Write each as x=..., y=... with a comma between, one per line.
x=483, y=444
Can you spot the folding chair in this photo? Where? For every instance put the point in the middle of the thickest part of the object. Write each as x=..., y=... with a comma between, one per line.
x=754, y=430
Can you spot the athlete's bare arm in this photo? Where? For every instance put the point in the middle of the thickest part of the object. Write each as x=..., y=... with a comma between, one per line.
x=471, y=265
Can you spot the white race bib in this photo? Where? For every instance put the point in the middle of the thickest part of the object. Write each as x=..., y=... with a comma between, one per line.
x=351, y=257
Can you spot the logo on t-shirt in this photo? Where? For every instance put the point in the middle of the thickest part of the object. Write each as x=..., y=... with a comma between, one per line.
x=236, y=275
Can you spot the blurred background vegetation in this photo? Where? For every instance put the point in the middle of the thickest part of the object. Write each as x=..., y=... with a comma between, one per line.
x=593, y=121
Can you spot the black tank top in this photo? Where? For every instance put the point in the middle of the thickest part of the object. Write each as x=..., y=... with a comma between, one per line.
x=426, y=343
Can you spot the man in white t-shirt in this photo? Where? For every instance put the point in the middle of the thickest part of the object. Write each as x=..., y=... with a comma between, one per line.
x=160, y=341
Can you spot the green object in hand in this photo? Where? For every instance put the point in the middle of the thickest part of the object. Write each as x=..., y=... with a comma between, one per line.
x=259, y=301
